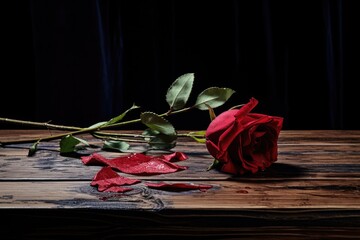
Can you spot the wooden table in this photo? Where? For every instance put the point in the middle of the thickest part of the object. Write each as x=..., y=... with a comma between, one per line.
x=311, y=192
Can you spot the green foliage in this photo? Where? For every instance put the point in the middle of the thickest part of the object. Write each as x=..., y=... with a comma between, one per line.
x=113, y=120
x=121, y=116
x=70, y=143
x=98, y=125
x=198, y=136
x=158, y=140
x=213, y=97
x=33, y=148
x=158, y=123
x=119, y=146
x=179, y=91
x=160, y=133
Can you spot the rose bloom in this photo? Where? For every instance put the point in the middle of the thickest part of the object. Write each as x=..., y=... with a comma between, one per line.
x=242, y=141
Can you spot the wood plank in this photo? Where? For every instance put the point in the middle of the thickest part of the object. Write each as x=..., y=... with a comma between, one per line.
x=319, y=136
x=292, y=163
x=309, y=159
x=311, y=192
x=225, y=195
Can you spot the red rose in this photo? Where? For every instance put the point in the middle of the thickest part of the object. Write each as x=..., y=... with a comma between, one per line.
x=242, y=141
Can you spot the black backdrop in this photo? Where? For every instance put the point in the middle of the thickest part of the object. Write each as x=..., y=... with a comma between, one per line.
x=80, y=62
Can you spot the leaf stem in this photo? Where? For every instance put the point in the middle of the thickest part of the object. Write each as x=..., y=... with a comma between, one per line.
x=189, y=135
x=75, y=130
x=58, y=136
x=39, y=124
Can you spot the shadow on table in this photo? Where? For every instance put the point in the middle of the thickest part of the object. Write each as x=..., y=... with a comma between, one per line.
x=276, y=172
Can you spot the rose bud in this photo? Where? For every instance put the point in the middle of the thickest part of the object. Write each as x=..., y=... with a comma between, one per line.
x=243, y=142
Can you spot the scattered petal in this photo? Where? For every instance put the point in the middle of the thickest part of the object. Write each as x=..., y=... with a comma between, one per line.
x=138, y=163
x=141, y=164
x=174, y=157
x=178, y=187
x=94, y=159
x=108, y=180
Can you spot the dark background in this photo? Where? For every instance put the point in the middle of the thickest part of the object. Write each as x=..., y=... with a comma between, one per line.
x=80, y=62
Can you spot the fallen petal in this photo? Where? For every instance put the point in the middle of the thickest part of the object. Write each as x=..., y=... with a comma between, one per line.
x=174, y=157
x=177, y=187
x=107, y=178
x=94, y=159
x=138, y=163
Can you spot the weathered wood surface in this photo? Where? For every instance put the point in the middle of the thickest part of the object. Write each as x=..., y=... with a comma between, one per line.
x=312, y=192
x=225, y=195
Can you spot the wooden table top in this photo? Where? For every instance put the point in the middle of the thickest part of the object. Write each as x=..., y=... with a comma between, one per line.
x=312, y=192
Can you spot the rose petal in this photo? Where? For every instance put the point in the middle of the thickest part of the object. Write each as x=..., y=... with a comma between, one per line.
x=107, y=178
x=177, y=187
x=174, y=157
x=139, y=164
x=94, y=159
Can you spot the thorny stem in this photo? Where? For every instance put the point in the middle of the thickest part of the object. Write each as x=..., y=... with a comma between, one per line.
x=78, y=130
x=85, y=130
x=39, y=124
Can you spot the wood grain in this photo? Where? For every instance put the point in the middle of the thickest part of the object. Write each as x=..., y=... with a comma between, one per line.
x=225, y=195
x=311, y=192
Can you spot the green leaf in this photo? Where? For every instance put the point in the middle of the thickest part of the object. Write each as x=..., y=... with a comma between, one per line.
x=33, y=149
x=157, y=140
x=164, y=142
x=97, y=125
x=149, y=133
x=198, y=133
x=113, y=120
x=155, y=122
x=69, y=144
x=199, y=140
x=213, y=97
x=119, y=146
x=179, y=91
x=121, y=116
x=198, y=136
